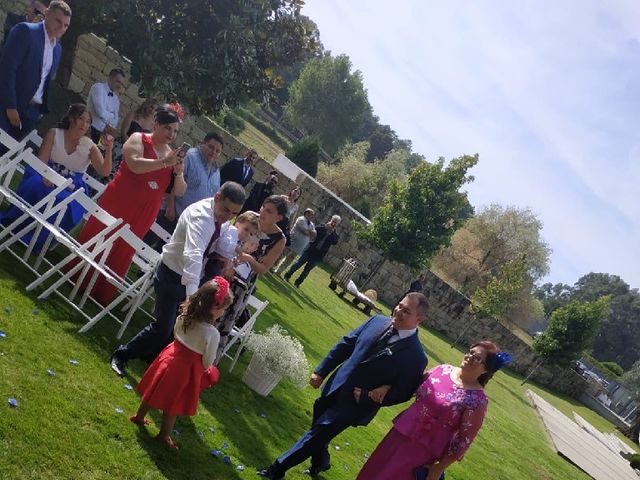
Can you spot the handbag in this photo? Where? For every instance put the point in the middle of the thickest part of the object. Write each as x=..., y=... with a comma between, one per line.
x=421, y=473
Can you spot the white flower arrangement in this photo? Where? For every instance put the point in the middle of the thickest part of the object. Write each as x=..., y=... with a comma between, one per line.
x=281, y=354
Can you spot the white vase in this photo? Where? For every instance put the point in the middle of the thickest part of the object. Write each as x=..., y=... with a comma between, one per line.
x=259, y=378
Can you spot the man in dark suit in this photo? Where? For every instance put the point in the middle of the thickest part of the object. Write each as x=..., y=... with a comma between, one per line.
x=326, y=236
x=382, y=355
x=29, y=61
x=239, y=170
x=260, y=191
x=33, y=14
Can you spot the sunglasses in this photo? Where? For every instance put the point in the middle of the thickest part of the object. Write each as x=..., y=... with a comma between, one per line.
x=477, y=358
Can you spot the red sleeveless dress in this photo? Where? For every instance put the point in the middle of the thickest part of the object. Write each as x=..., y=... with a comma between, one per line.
x=136, y=198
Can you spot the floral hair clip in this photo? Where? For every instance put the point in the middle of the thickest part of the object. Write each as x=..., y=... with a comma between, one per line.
x=176, y=107
x=502, y=359
x=222, y=291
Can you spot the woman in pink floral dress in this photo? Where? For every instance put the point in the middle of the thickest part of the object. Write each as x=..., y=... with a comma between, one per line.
x=443, y=421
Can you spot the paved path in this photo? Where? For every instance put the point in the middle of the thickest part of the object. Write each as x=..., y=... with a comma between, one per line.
x=581, y=445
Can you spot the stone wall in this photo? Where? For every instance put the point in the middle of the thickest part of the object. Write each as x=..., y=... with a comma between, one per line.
x=448, y=309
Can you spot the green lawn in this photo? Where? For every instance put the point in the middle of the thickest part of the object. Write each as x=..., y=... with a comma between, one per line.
x=254, y=138
x=66, y=426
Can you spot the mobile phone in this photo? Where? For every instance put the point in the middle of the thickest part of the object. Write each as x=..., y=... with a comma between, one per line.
x=184, y=147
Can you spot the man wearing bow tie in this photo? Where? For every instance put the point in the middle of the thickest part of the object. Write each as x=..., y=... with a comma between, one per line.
x=104, y=105
x=379, y=364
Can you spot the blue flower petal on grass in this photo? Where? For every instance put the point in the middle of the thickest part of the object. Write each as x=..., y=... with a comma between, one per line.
x=215, y=452
x=2, y=334
x=227, y=459
x=74, y=362
x=128, y=386
x=225, y=445
x=13, y=403
x=51, y=373
x=240, y=468
x=119, y=410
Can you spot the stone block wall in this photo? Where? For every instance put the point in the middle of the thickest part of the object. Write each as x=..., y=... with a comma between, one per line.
x=448, y=309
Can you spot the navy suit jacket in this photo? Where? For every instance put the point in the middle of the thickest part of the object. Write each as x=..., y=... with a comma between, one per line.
x=400, y=365
x=233, y=171
x=21, y=67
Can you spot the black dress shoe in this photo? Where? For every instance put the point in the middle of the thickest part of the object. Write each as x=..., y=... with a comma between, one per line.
x=118, y=365
x=269, y=473
x=315, y=471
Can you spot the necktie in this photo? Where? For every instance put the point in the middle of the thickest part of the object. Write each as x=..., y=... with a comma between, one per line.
x=214, y=237
x=382, y=342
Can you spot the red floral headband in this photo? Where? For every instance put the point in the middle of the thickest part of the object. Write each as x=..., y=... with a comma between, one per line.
x=176, y=107
x=222, y=291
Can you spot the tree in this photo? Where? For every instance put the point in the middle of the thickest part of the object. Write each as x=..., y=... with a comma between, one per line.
x=329, y=101
x=209, y=54
x=361, y=184
x=572, y=329
x=306, y=154
x=618, y=338
x=381, y=143
x=496, y=298
x=419, y=216
x=553, y=296
x=487, y=242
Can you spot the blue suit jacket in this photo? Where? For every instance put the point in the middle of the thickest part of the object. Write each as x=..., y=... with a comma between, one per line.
x=400, y=365
x=21, y=67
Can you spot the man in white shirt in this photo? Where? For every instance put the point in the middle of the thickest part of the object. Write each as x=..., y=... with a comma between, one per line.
x=104, y=105
x=178, y=274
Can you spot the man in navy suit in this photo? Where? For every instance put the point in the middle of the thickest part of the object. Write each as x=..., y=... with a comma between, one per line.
x=239, y=170
x=382, y=355
x=29, y=61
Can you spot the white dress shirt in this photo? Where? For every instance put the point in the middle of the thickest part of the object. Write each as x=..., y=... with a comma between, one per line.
x=47, y=63
x=401, y=335
x=202, y=338
x=185, y=251
x=104, y=108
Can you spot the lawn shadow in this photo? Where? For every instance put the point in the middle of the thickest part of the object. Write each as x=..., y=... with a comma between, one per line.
x=253, y=422
x=282, y=287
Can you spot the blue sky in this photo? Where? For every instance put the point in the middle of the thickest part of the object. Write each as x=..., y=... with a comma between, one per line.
x=548, y=93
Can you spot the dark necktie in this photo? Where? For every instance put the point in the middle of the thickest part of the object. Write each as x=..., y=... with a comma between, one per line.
x=214, y=237
x=382, y=342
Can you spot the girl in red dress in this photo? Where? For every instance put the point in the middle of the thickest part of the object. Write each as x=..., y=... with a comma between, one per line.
x=175, y=379
x=135, y=194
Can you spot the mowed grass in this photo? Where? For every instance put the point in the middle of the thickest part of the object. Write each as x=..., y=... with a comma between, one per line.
x=67, y=427
x=254, y=138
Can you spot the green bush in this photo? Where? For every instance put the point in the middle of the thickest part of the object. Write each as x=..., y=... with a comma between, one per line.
x=306, y=154
x=635, y=461
x=613, y=367
x=233, y=123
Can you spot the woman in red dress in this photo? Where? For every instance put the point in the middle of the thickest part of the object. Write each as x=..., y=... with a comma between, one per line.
x=135, y=194
x=175, y=379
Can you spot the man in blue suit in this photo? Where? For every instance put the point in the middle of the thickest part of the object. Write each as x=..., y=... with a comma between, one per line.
x=29, y=61
x=382, y=355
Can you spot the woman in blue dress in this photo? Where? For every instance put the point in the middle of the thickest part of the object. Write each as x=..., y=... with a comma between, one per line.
x=68, y=151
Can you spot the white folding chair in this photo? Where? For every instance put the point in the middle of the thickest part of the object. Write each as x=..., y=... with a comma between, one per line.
x=146, y=258
x=240, y=334
x=95, y=186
